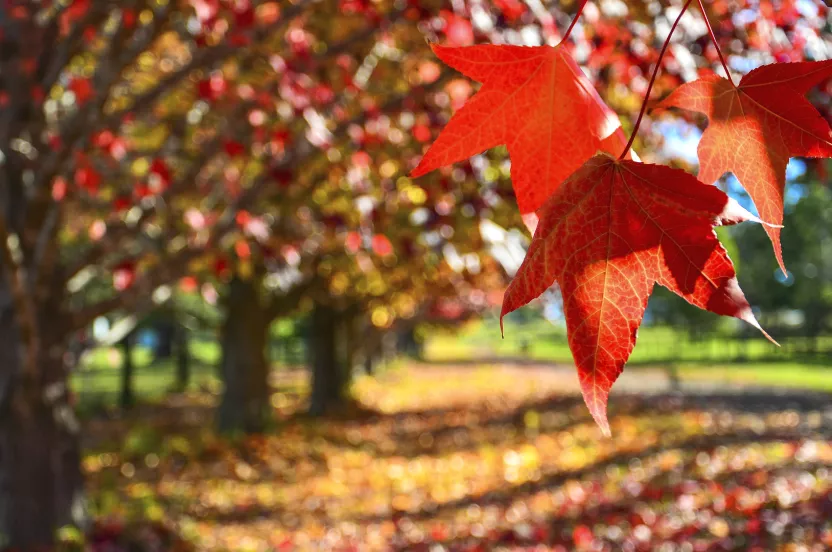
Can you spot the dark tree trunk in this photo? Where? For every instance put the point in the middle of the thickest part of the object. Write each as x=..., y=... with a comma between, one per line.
x=409, y=344
x=41, y=485
x=183, y=360
x=370, y=347
x=244, y=368
x=389, y=346
x=330, y=370
x=814, y=327
x=127, y=399
x=166, y=334
x=369, y=363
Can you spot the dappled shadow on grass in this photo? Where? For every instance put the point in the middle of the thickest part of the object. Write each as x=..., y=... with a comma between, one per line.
x=498, y=464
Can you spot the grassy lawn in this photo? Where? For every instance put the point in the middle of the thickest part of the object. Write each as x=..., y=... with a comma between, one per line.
x=752, y=361
x=716, y=358
x=98, y=380
x=771, y=374
x=545, y=341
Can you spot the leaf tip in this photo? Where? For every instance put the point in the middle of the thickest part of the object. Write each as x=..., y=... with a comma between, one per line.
x=596, y=401
x=531, y=220
x=603, y=424
x=418, y=171
x=749, y=317
x=781, y=263
x=435, y=47
x=660, y=105
x=778, y=251
x=771, y=339
x=769, y=224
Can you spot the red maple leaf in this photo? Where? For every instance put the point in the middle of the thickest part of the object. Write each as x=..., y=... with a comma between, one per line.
x=159, y=175
x=755, y=127
x=88, y=178
x=234, y=148
x=536, y=101
x=83, y=90
x=381, y=245
x=124, y=275
x=609, y=233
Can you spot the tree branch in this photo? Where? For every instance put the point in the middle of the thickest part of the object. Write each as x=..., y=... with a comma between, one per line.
x=285, y=303
x=141, y=291
x=24, y=308
x=115, y=235
x=56, y=59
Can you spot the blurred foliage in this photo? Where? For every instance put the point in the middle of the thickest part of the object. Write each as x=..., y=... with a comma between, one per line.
x=801, y=301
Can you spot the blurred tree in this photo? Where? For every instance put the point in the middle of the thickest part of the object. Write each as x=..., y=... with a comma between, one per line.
x=347, y=230
x=807, y=250
x=183, y=358
x=243, y=366
x=127, y=397
x=115, y=117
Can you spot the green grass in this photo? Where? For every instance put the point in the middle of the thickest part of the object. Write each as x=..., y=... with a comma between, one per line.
x=714, y=358
x=752, y=360
x=770, y=374
x=98, y=380
x=545, y=341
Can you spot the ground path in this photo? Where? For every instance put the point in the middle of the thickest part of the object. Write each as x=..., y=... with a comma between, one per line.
x=492, y=456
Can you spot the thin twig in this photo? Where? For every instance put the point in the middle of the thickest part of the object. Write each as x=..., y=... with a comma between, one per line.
x=652, y=80
x=574, y=20
x=716, y=44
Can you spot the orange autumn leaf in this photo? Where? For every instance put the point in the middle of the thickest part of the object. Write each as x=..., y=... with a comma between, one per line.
x=608, y=234
x=536, y=101
x=755, y=127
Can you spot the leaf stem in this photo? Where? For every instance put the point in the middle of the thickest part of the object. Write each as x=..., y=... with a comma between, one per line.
x=716, y=44
x=574, y=20
x=652, y=80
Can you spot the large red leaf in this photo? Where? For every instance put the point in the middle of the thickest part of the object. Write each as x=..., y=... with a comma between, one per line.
x=536, y=101
x=609, y=233
x=755, y=127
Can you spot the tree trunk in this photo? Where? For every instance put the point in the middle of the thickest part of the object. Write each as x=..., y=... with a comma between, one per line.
x=409, y=344
x=370, y=347
x=330, y=371
x=244, y=368
x=127, y=398
x=41, y=485
x=165, y=334
x=183, y=360
x=389, y=346
x=369, y=364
